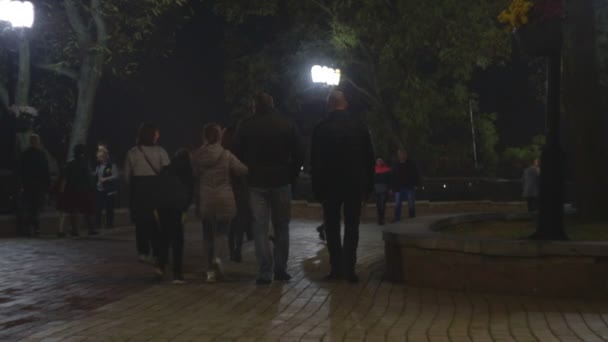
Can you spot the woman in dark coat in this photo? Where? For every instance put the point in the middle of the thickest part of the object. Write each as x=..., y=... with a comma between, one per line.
x=78, y=195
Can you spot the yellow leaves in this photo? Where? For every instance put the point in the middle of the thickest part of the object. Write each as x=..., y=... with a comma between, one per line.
x=516, y=15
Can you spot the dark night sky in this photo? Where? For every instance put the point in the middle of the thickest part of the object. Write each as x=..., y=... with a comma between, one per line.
x=182, y=93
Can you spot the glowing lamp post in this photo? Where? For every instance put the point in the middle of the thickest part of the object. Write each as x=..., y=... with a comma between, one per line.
x=325, y=75
x=17, y=13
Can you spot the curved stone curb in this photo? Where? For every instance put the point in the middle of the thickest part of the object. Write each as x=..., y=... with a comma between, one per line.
x=417, y=253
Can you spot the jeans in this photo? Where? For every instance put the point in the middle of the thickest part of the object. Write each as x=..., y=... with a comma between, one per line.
x=342, y=255
x=381, y=198
x=171, y=237
x=33, y=202
x=215, y=241
x=410, y=194
x=105, y=202
x=146, y=232
x=242, y=220
x=271, y=204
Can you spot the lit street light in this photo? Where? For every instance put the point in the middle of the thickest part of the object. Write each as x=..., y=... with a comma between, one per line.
x=326, y=75
x=17, y=13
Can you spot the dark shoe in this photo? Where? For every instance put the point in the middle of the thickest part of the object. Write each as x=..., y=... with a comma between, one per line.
x=353, y=278
x=321, y=230
x=60, y=235
x=282, y=276
x=236, y=256
x=262, y=281
x=332, y=276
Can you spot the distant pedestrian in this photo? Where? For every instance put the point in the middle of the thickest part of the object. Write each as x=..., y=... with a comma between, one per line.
x=531, y=185
x=382, y=182
x=342, y=170
x=172, y=218
x=35, y=181
x=142, y=168
x=406, y=178
x=79, y=191
x=107, y=185
x=270, y=146
x=214, y=197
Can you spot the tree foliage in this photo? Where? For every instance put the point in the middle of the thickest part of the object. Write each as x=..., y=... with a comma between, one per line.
x=410, y=61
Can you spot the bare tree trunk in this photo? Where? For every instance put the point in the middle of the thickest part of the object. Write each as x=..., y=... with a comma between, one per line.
x=88, y=82
x=583, y=110
x=24, y=76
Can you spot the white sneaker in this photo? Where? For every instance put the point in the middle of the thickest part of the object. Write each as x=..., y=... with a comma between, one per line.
x=179, y=282
x=219, y=269
x=211, y=277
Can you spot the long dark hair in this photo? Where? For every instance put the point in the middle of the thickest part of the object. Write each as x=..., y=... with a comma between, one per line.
x=146, y=133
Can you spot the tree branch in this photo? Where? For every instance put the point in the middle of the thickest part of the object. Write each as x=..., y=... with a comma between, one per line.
x=77, y=22
x=324, y=8
x=58, y=69
x=362, y=90
x=100, y=24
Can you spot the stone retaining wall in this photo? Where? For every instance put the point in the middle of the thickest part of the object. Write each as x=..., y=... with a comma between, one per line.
x=420, y=256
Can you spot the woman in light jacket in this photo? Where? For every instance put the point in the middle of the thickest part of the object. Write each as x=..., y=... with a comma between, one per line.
x=213, y=165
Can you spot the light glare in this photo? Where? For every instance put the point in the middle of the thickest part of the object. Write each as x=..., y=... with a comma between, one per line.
x=17, y=13
x=325, y=75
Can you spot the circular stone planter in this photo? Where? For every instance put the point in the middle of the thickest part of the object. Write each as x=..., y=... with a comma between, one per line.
x=417, y=254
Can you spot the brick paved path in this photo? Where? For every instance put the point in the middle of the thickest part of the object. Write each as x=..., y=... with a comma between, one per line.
x=92, y=289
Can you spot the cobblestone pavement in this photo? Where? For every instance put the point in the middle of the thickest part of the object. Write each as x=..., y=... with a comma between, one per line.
x=93, y=290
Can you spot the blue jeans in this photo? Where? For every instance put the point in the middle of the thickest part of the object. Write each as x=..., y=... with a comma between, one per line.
x=410, y=194
x=271, y=204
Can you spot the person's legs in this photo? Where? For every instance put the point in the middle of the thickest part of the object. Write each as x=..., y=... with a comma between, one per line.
x=352, y=216
x=237, y=226
x=100, y=204
x=411, y=201
x=331, y=212
x=208, y=247
x=381, y=206
x=177, y=246
x=220, y=246
x=398, y=202
x=109, y=206
x=280, y=202
x=260, y=207
x=144, y=218
x=166, y=225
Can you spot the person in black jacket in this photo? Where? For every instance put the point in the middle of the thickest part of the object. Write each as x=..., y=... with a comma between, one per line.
x=406, y=179
x=342, y=161
x=270, y=146
x=171, y=235
x=79, y=190
x=35, y=182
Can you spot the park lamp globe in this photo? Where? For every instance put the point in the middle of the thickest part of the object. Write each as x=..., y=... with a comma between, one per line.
x=326, y=75
x=17, y=13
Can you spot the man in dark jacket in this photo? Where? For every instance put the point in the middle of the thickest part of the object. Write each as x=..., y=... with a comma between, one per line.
x=271, y=148
x=35, y=182
x=406, y=178
x=342, y=161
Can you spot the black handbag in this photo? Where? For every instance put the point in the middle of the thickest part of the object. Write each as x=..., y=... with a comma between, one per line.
x=168, y=190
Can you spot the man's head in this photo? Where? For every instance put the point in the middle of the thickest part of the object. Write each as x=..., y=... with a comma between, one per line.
x=402, y=155
x=536, y=162
x=379, y=162
x=148, y=134
x=336, y=101
x=102, y=155
x=35, y=141
x=212, y=133
x=262, y=102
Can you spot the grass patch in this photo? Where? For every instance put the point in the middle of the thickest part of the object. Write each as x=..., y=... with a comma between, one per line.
x=576, y=230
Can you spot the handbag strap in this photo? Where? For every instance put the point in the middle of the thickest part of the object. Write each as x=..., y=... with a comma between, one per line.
x=148, y=161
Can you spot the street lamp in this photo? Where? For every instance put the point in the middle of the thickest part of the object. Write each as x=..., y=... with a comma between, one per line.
x=326, y=75
x=17, y=13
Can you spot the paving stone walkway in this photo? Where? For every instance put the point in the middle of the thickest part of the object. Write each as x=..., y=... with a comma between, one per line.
x=93, y=290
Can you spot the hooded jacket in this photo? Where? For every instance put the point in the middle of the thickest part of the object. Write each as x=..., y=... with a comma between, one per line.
x=213, y=166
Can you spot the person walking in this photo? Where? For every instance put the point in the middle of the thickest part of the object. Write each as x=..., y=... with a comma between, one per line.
x=172, y=218
x=531, y=185
x=342, y=162
x=142, y=167
x=382, y=181
x=107, y=186
x=271, y=147
x=79, y=191
x=35, y=179
x=406, y=179
x=215, y=203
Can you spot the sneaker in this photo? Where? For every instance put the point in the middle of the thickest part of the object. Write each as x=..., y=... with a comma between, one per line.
x=179, y=281
x=321, y=231
x=332, y=276
x=211, y=277
x=159, y=272
x=282, y=276
x=262, y=281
